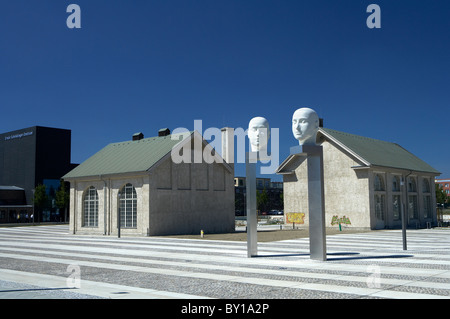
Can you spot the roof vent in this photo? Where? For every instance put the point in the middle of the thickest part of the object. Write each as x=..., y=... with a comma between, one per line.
x=164, y=132
x=138, y=136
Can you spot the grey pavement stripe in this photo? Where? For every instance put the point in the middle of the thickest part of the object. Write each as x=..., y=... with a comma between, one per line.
x=93, y=288
x=168, y=253
x=230, y=278
x=349, y=243
x=110, y=245
x=249, y=270
x=240, y=251
x=149, y=245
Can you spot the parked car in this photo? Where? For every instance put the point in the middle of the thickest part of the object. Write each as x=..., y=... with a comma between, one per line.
x=275, y=212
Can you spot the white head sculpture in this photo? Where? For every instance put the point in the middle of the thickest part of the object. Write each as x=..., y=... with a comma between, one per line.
x=305, y=124
x=258, y=133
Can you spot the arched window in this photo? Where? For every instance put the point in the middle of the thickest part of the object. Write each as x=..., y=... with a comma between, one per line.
x=90, y=207
x=396, y=184
x=378, y=183
x=128, y=207
x=412, y=185
x=425, y=186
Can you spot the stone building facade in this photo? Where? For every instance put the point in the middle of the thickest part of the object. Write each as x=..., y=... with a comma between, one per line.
x=367, y=184
x=138, y=181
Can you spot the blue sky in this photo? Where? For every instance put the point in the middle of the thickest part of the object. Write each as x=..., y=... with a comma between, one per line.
x=143, y=65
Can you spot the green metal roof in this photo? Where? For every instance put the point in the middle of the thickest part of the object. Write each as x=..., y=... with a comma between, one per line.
x=378, y=153
x=126, y=157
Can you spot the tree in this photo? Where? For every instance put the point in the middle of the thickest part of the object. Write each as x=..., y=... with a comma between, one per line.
x=441, y=196
x=62, y=198
x=262, y=199
x=40, y=201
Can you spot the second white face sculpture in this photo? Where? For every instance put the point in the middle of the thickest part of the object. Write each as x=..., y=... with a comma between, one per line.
x=305, y=124
x=258, y=133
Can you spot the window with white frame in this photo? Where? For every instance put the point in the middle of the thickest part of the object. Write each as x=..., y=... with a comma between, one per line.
x=412, y=184
x=426, y=206
x=412, y=207
x=379, y=196
x=426, y=198
x=128, y=207
x=378, y=183
x=413, y=210
x=379, y=206
x=396, y=198
x=90, y=207
x=396, y=207
x=425, y=185
x=396, y=183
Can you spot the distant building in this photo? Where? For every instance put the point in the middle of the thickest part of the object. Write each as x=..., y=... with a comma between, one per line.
x=367, y=184
x=30, y=157
x=138, y=181
x=444, y=184
x=13, y=205
x=274, y=191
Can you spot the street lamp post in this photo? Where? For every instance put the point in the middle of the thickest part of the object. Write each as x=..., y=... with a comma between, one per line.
x=121, y=195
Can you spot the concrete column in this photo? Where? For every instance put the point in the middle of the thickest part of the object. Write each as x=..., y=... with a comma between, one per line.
x=252, y=218
x=316, y=202
x=316, y=199
x=228, y=145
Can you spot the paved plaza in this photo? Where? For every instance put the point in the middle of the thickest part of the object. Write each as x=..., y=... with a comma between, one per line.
x=45, y=262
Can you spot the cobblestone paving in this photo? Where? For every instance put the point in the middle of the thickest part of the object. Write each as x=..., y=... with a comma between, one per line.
x=46, y=262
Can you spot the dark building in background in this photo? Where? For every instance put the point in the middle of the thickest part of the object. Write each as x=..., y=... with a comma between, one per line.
x=13, y=205
x=273, y=190
x=30, y=157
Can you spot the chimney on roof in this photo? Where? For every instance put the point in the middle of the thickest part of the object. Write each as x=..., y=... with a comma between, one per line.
x=138, y=136
x=228, y=145
x=164, y=132
x=320, y=122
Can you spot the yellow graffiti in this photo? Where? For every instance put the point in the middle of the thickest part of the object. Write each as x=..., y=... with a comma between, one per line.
x=343, y=220
x=297, y=218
